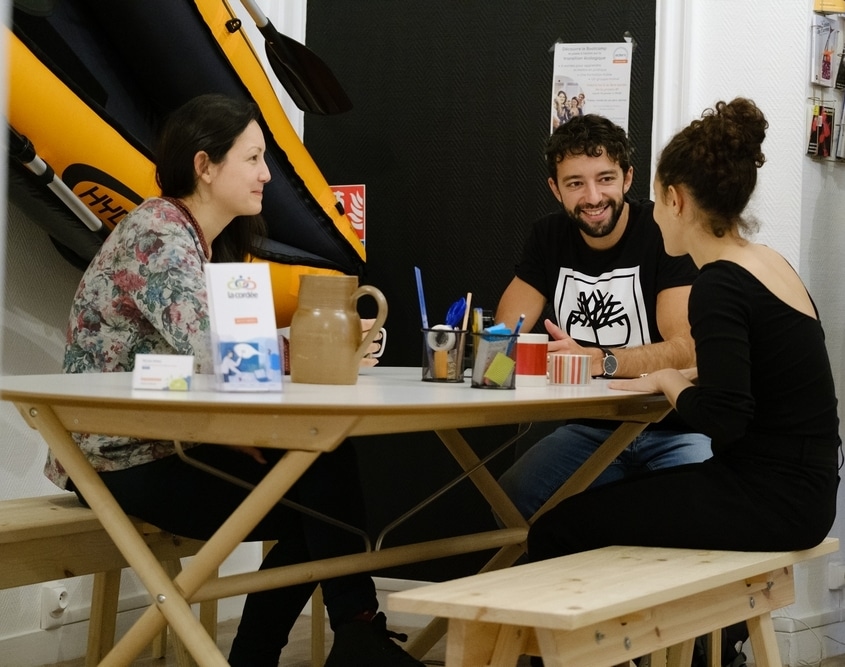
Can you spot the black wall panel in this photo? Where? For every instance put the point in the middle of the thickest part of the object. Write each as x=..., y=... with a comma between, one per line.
x=451, y=114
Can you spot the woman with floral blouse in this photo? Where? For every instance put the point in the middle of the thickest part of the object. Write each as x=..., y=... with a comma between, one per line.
x=145, y=292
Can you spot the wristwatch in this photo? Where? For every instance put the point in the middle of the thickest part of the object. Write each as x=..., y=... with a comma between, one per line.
x=610, y=363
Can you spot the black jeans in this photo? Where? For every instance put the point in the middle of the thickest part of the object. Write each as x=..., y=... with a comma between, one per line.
x=775, y=497
x=186, y=501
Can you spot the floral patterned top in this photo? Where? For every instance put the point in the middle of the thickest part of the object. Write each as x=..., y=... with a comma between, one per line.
x=143, y=293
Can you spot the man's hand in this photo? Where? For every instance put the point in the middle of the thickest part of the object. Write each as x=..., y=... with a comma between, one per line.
x=563, y=343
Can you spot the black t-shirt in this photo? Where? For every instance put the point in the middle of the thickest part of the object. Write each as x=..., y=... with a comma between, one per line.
x=604, y=298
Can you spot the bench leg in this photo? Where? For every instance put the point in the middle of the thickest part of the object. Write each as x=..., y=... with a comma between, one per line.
x=208, y=617
x=101, y=626
x=680, y=655
x=318, y=629
x=428, y=637
x=475, y=643
x=714, y=649
x=761, y=632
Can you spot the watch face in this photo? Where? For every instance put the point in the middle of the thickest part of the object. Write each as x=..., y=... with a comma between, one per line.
x=610, y=364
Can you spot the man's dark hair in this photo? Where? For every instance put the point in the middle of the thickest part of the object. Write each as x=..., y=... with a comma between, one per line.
x=590, y=135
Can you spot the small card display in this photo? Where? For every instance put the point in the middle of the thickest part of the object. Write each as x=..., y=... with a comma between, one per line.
x=170, y=372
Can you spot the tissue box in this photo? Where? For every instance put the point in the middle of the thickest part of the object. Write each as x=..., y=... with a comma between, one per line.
x=172, y=372
x=244, y=343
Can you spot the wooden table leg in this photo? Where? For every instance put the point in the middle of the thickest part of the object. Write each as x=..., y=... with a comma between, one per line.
x=597, y=463
x=482, y=478
x=169, y=603
x=233, y=531
x=504, y=507
x=170, y=597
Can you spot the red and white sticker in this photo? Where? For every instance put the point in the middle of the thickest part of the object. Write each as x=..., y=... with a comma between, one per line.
x=353, y=200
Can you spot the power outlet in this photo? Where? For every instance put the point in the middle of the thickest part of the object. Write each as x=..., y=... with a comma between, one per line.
x=835, y=576
x=54, y=601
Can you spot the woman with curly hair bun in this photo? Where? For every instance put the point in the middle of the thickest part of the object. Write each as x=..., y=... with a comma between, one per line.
x=762, y=390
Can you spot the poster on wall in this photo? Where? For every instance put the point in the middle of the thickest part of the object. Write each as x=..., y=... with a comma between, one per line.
x=591, y=78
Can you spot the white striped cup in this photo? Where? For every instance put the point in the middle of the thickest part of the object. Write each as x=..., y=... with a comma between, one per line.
x=569, y=368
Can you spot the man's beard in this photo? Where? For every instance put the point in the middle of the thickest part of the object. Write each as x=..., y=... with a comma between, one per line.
x=616, y=208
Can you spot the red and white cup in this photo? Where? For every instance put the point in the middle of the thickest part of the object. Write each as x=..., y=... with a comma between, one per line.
x=569, y=368
x=531, y=352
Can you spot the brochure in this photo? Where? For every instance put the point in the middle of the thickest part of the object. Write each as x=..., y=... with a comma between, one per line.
x=244, y=342
x=824, y=41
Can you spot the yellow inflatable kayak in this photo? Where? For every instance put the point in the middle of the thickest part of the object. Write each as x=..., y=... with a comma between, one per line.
x=90, y=81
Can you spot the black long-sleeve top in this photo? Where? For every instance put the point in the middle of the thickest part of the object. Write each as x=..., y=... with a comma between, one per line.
x=764, y=372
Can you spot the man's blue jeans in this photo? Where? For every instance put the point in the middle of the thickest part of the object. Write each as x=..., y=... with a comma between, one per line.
x=544, y=467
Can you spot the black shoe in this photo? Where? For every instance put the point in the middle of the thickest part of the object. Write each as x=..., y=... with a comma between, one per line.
x=368, y=644
x=536, y=661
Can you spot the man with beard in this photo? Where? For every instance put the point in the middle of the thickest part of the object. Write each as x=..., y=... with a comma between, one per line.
x=614, y=293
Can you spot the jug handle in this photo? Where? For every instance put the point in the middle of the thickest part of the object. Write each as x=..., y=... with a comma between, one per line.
x=380, y=317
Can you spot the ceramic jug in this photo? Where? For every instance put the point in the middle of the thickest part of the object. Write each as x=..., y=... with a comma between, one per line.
x=325, y=332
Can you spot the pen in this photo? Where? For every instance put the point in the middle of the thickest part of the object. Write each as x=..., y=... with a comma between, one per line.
x=518, y=326
x=516, y=331
x=421, y=297
x=466, y=311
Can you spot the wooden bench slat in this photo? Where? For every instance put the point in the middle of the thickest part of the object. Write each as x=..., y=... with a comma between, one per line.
x=581, y=589
x=608, y=606
x=55, y=537
x=44, y=516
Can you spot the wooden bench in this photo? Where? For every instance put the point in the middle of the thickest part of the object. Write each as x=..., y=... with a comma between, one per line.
x=606, y=607
x=54, y=537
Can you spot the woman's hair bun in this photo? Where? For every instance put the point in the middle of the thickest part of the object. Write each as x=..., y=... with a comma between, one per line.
x=742, y=130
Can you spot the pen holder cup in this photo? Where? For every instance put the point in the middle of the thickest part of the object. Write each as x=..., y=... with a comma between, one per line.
x=494, y=361
x=443, y=355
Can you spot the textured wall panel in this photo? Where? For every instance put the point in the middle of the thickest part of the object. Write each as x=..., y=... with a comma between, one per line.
x=450, y=121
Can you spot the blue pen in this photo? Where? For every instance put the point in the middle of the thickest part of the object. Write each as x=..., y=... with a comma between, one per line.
x=421, y=297
x=516, y=331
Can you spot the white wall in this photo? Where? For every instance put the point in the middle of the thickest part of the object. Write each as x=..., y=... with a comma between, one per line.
x=710, y=50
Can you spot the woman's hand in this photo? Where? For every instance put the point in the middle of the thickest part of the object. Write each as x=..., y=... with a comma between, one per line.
x=648, y=383
x=668, y=381
x=691, y=374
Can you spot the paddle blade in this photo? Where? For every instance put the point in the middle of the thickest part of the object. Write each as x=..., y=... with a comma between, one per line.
x=308, y=80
